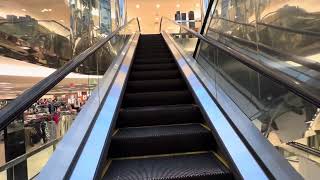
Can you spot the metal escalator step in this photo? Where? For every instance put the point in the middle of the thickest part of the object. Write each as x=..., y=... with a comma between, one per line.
x=156, y=85
x=158, y=115
x=148, y=67
x=153, y=60
x=150, y=140
x=159, y=55
x=203, y=166
x=154, y=75
x=150, y=49
x=147, y=44
x=157, y=98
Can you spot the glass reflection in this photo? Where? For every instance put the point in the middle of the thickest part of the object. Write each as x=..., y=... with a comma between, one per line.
x=282, y=35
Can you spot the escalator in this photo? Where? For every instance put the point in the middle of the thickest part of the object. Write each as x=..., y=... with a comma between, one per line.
x=160, y=131
x=150, y=116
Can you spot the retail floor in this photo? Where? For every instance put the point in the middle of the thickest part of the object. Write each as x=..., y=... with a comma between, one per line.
x=35, y=163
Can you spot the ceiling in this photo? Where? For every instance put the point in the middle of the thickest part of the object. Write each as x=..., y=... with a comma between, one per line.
x=150, y=11
x=39, y=9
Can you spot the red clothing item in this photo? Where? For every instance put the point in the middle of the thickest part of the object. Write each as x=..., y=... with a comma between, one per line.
x=56, y=117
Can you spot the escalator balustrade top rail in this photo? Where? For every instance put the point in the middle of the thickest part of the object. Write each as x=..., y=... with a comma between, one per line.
x=305, y=148
x=276, y=75
x=30, y=96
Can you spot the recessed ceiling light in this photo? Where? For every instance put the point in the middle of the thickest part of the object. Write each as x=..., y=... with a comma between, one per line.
x=157, y=18
x=4, y=83
x=178, y=5
x=7, y=87
x=23, y=10
x=49, y=10
x=61, y=20
x=137, y=6
x=197, y=5
x=158, y=6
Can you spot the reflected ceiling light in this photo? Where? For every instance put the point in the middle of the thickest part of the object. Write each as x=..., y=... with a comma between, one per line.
x=61, y=20
x=294, y=64
x=7, y=87
x=137, y=6
x=44, y=10
x=23, y=10
x=178, y=5
x=158, y=6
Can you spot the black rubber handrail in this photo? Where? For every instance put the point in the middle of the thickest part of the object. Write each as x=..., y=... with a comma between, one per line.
x=30, y=96
x=276, y=75
x=297, y=59
x=296, y=31
x=203, y=27
x=305, y=148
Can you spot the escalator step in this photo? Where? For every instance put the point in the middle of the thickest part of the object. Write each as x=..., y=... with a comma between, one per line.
x=148, y=67
x=153, y=60
x=153, y=75
x=149, y=49
x=157, y=98
x=153, y=46
x=150, y=140
x=203, y=166
x=160, y=55
x=158, y=115
x=156, y=85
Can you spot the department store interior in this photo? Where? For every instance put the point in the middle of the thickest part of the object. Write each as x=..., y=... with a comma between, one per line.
x=110, y=89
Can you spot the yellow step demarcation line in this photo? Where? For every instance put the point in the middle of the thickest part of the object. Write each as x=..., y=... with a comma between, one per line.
x=205, y=126
x=160, y=155
x=164, y=125
x=105, y=169
x=222, y=160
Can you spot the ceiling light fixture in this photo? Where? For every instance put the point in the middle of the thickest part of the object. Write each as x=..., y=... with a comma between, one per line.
x=137, y=6
x=178, y=5
x=158, y=6
x=23, y=10
x=197, y=5
x=46, y=10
